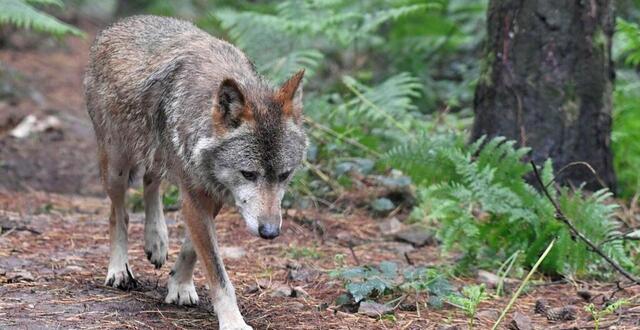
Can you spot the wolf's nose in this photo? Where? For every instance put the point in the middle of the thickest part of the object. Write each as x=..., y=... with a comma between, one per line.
x=268, y=231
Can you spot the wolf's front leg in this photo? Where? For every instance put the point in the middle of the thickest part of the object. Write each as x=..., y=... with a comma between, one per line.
x=181, y=290
x=199, y=210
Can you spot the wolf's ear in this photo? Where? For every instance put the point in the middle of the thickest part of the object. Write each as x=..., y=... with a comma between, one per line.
x=290, y=94
x=231, y=105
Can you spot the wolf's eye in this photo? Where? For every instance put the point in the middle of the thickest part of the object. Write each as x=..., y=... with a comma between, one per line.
x=251, y=176
x=284, y=176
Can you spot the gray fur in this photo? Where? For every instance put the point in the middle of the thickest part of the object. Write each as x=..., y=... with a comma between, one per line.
x=155, y=89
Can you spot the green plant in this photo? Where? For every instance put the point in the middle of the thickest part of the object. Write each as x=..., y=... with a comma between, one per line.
x=472, y=296
x=428, y=280
x=170, y=199
x=598, y=314
x=369, y=281
x=524, y=284
x=479, y=193
x=304, y=252
x=626, y=114
x=504, y=271
x=374, y=282
x=23, y=14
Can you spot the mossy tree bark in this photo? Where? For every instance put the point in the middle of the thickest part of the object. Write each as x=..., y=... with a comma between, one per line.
x=547, y=83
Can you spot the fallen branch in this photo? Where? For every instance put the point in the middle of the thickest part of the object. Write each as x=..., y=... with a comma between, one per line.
x=574, y=231
x=6, y=230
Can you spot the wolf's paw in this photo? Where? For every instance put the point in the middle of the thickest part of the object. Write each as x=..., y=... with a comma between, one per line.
x=121, y=278
x=156, y=243
x=235, y=326
x=183, y=294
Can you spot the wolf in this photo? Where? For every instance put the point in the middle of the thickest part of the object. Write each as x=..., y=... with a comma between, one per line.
x=172, y=102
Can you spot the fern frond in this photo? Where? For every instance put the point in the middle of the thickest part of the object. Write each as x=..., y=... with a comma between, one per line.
x=629, y=37
x=391, y=100
x=283, y=67
x=23, y=15
x=425, y=159
x=46, y=2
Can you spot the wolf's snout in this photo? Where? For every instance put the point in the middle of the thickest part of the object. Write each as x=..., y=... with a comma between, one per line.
x=268, y=230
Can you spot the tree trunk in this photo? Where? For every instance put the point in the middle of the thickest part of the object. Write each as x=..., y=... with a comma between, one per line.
x=547, y=83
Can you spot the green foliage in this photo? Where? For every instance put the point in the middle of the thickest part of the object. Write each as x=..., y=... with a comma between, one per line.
x=369, y=281
x=428, y=280
x=23, y=14
x=626, y=115
x=629, y=39
x=472, y=296
x=598, y=314
x=373, y=282
x=304, y=252
x=170, y=199
x=482, y=196
x=296, y=30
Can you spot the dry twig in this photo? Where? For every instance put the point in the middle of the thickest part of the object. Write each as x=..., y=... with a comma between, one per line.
x=574, y=231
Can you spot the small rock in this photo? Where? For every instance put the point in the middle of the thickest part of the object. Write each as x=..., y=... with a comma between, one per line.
x=585, y=294
x=298, y=291
x=71, y=269
x=373, y=309
x=232, y=252
x=281, y=290
x=253, y=288
x=416, y=235
x=390, y=226
x=396, y=247
x=30, y=124
x=490, y=315
x=22, y=276
x=520, y=322
x=297, y=305
x=302, y=274
x=260, y=284
x=382, y=205
x=292, y=264
x=492, y=280
x=345, y=238
x=488, y=278
x=449, y=327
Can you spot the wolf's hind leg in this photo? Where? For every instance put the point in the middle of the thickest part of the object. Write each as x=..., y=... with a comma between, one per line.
x=156, y=236
x=115, y=176
x=180, y=286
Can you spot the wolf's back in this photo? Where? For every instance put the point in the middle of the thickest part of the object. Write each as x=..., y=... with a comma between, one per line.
x=140, y=60
x=141, y=50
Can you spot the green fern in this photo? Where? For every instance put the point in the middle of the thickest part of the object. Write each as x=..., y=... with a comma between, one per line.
x=298, y=31
x=390, y=101
x=629, y=38
x=22, y=14
x=483, y=198
x=626, y=115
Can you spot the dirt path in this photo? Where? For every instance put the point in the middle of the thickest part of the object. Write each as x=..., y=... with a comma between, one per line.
x=54, y=243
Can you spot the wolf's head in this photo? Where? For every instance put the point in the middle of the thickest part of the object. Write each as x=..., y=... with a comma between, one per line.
x=261, y=144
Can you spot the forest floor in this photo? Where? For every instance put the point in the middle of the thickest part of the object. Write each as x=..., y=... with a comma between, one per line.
x=54, y=242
